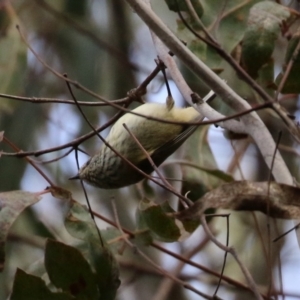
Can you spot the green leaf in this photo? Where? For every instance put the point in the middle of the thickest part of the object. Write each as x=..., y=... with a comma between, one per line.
x=77, y=8
x=80, y=225
x=180, y=5
x=264, y=23
x=206, y=53
x=107, y=272
x=224, y=20
x=162, y=225
x=291, y=84
x=11, y=206
x=230, y=20
x=68, y=270
x=266, y=77
x=28, y=287
x=111, y=236
x=142, y=237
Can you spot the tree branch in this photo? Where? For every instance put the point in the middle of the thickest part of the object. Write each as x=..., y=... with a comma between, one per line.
x=253, y=125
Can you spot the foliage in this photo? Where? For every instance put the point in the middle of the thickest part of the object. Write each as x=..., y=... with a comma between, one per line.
x=59, y=56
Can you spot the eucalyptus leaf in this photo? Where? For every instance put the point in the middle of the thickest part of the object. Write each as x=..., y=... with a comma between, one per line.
x=68, y=270
x=80, y=225
x=161, y=225
x=264, y=27
x=11, y=206
x=28, y=287
x=291, y=84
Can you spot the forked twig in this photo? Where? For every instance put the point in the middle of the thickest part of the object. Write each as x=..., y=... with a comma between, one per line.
x=156, y=266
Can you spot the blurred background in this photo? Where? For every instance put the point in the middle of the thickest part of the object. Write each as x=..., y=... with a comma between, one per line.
x=104, y=46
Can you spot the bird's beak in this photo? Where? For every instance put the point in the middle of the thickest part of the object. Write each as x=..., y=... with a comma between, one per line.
x=74, y=177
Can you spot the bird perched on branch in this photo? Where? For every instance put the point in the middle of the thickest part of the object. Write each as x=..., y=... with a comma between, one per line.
x=107, y=170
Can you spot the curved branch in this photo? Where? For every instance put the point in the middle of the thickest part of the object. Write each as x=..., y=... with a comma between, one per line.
x=253, y=125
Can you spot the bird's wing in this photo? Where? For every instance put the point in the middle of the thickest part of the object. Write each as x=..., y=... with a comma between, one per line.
x=164, y=151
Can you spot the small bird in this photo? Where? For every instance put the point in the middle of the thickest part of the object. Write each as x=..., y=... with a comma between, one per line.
x=107, y=170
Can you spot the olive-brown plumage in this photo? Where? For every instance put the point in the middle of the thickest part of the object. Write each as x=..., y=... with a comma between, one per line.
x=109, y=171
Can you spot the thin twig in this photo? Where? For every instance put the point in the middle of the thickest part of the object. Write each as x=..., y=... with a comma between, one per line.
x=77, y=162
x=231, y=250
x=13, y=146
x=62, y=101
x=166, y=285
x=296, y=227
x=225, y=256
x=288, y=70
x=81, y=139
x=269, y=256
x=155, y=265
x=181, y=258
x=183, y=200
x=44, y=162
x=251, y=123
x=122, y=156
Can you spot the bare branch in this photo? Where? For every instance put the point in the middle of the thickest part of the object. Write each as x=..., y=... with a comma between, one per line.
x=252, y=123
